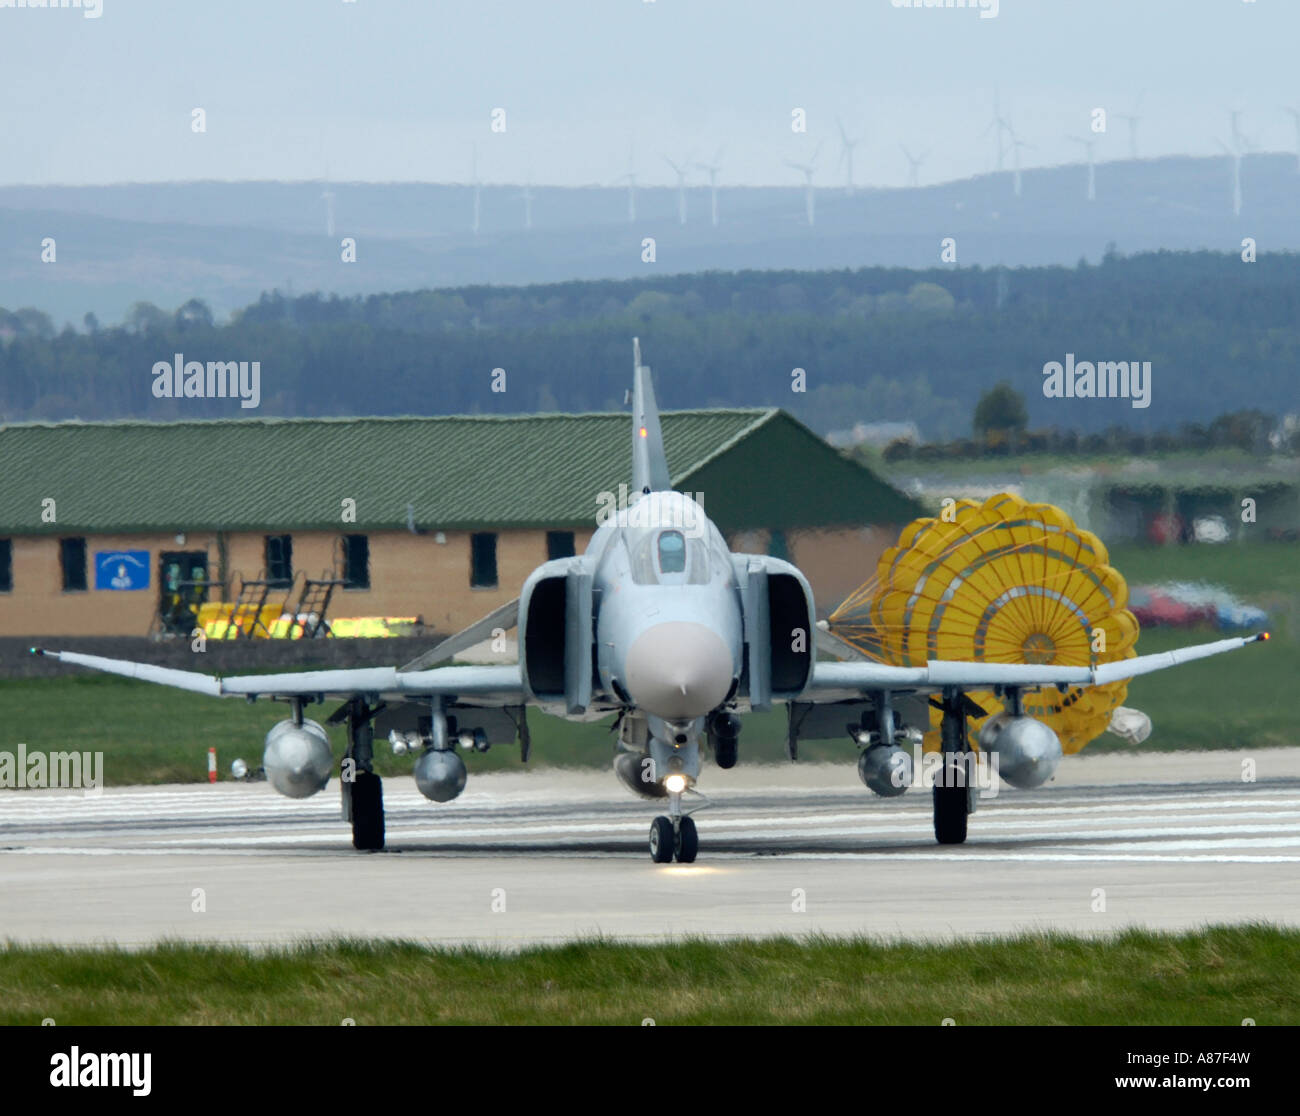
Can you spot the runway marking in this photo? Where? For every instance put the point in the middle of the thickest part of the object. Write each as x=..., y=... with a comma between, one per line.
x=882, y=856
x=13, y=812
x=1147, y=822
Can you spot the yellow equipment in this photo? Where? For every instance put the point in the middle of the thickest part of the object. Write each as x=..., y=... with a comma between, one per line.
x=226, y=620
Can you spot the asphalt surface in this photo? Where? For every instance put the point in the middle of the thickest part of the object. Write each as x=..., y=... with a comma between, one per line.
x=1165, y=841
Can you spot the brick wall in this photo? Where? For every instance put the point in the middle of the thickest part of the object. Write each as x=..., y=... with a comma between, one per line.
x=410, y=575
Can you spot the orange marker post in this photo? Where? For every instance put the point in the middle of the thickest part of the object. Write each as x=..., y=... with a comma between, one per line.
x=212, y=765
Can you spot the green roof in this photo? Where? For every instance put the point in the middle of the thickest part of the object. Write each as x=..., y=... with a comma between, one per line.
x=458, y=472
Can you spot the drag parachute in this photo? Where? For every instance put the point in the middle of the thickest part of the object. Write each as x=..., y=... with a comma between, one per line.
x=1004, y=581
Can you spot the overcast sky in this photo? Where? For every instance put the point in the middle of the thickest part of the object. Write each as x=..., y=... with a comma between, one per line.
x=383, y=90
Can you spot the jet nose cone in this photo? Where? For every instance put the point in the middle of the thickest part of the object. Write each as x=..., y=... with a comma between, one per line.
x=677, y=670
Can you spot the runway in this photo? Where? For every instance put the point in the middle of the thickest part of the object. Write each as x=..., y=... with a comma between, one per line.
x=1166, y=841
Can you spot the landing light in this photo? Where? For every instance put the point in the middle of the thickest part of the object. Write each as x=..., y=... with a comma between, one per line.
x=675, y=784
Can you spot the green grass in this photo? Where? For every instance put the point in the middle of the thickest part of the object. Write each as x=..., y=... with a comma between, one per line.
x=151, y=734
x=1218, y=976
x=1236, y=700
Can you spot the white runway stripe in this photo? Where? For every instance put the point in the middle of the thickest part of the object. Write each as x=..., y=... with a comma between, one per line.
x=65, y=810
x=1191, y=823
x=733, y=828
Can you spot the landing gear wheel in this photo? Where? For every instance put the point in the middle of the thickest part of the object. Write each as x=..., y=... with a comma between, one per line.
x=367, y=811
x=724, y=755
x=688, y=841
x=663, y=841
x=950, y=808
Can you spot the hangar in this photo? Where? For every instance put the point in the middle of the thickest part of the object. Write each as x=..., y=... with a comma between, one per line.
x=105, y=526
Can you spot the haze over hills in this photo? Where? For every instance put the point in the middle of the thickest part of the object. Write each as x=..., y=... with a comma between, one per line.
x=227, y=242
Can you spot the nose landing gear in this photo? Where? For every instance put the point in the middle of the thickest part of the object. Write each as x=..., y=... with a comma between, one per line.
x=674, y=836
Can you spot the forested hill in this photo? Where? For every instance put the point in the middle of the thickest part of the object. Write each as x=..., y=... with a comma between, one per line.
x=876, y=344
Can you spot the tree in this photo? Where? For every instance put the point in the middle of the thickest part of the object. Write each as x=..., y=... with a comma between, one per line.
x=194, y=313
x=145, y=317
x=34, y=323
x=1000, y=412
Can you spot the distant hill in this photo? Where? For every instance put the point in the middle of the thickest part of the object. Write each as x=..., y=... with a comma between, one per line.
x=228, y=242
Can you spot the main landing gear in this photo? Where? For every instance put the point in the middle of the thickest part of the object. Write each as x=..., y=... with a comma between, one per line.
x=674, y=836
x=954, y=787
x=363, y=790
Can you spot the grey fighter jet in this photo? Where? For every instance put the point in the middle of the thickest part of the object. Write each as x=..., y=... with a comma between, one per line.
x=660, y=624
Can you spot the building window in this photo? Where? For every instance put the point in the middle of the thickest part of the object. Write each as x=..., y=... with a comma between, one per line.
x=6, y=566
x=356, y=562
x=559, y=544
x=483, y=560
x=72, y=557
x=279, y=559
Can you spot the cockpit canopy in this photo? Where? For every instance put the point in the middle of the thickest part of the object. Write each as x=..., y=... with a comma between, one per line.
x=668, y=556
x=672, y=552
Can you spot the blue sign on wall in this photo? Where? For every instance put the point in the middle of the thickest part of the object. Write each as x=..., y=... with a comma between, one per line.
x=122, y=569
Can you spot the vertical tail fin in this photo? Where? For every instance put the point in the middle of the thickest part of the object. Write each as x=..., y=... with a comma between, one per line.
x=649, y=466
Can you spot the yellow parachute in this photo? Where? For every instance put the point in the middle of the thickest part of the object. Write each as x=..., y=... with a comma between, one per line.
x=1000, y=582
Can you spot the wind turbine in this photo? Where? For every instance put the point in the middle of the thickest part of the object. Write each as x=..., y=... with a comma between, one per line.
x=1089, y=144
x=680, y=171
x=712, y=169
x=1016, y=145
x=1235, y=156
x=998, y=122
x=328, y=195
x=809, y=197
x=1132, y=119
x=913, y=165
x=526, y=195
x=1294, y=113
x=846, y=155
x=478, y=188
x=630, y=179
x=1239, y=140
x=1240, y=145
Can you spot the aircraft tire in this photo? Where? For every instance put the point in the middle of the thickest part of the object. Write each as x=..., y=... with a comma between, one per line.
x=949, y=814
x=724, y=755
x=663, y=841
x=688, y=841
x=367, y=811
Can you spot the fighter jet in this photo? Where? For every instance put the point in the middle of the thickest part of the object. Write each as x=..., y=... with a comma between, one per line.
x=661, y=625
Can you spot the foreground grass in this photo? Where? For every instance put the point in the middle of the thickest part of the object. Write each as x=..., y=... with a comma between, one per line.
x=1218, y=976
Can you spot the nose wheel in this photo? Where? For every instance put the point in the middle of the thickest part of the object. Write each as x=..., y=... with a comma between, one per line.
x=674, y=836
x=669, y=841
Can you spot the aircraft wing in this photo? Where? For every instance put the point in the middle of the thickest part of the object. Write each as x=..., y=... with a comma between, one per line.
x=505, y=617
x=468, y=685
x=835, y=681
